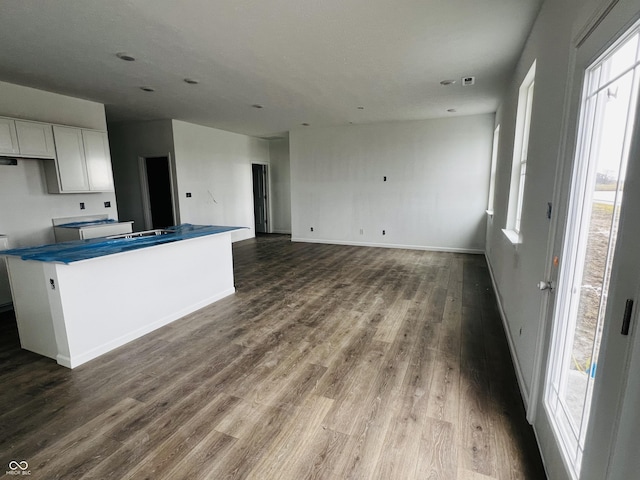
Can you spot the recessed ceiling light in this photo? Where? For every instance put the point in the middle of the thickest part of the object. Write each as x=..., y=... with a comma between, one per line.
x=257, y=105
x=452, y=110
x=148, y=89
x=447, y=82
x=125, y=56
x=360, y=108
x=191, y=81
x=305, y=124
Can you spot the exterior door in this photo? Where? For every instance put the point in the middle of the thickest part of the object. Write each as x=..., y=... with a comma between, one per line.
x=599, y=276
x=260, y=197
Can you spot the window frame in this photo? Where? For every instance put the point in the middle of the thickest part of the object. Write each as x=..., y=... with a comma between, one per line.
x=513, y=229
x=492, y=173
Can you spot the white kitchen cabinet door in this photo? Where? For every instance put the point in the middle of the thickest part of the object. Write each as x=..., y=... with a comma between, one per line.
x=35, y=139
x=98, y=159
x=70, y=161
x=8, y=137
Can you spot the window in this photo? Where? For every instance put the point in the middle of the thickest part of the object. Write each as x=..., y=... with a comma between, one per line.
x=520, y=148
x=494, y=162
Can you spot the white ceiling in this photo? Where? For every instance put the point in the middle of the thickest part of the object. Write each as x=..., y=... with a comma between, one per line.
x=305, y=61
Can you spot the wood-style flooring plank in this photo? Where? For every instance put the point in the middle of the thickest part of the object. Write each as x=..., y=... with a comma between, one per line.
x=162, y=460
x=437, y=456
x=476, y=448
x=85, y=446
x=291, y=445
x=165, y=437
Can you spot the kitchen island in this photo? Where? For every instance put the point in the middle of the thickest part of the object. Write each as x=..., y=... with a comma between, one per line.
x=75, y=301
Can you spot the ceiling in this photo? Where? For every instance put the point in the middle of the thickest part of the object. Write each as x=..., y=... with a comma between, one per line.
x=321, y=62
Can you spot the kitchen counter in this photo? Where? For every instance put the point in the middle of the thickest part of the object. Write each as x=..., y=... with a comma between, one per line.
x=75, y=251
x=75, y=301
x=88, y=226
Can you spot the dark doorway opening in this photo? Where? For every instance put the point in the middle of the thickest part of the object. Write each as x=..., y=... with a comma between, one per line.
x=260, y=197
x=159, y=188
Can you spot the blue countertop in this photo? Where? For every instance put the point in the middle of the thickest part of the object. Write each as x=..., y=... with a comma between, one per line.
x=90, y=223
x=87, y=223
x=68, y=252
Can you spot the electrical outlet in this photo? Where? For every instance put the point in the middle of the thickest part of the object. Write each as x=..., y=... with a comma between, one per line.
x=81, y=205
x=312, y=229
x=384, y=179
x=384, y=232
x=188, y=194
x=362, y=231
x=107, y=204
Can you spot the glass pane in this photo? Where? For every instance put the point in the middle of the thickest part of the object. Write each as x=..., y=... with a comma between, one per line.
x=622, y=59
x=600, y=224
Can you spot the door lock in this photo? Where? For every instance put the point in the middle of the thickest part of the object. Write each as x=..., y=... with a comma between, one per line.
x=545, y=285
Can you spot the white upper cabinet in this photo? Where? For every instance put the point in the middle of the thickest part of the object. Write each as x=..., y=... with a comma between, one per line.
x=81, y=161
x=35, y=139
x=98, y=158
x=8, y=137
x=71, y=165
x=82, y=164
x=26, y=139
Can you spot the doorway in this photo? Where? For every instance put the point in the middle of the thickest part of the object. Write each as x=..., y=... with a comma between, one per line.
x=157, y=192
x=598, y=280
x=260, y=207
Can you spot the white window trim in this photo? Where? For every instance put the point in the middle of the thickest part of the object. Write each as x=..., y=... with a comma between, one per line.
x=492, y=174
x=520, y=154
x=513, y=236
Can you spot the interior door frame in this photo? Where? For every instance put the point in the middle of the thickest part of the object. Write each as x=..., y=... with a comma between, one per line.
x=144, y=189
x=267, y=185
x=614, y=16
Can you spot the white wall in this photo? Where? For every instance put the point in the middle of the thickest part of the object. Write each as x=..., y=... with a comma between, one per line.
x=27, y=207
x=215, y=167
x=128, y=142
x=518, y=268
x=280, y=172
x=435, y=195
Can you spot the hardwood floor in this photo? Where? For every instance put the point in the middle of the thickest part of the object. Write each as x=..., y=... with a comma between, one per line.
x=330, y=362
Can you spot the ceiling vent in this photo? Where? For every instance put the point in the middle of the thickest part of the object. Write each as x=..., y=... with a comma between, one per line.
x=467, y=81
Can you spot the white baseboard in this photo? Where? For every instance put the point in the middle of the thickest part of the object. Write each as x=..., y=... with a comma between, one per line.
x=390, y=245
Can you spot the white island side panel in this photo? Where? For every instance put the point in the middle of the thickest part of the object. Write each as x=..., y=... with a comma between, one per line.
x=31, y=304
x=108, y=301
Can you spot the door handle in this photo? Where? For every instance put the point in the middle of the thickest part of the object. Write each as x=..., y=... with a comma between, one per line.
x=626, y=319
x=545, y=285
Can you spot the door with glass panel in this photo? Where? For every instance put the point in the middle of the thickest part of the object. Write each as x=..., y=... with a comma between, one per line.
x=598, y=279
